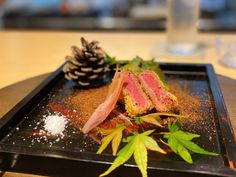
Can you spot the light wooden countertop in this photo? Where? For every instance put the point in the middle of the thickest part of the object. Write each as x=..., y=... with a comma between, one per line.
x=24, y=54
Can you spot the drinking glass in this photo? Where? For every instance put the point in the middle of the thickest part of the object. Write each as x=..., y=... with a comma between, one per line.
x=182, y=26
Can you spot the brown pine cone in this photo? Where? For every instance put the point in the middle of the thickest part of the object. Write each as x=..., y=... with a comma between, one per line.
x=87, y=66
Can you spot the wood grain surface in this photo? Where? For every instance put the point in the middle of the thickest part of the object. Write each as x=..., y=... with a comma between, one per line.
x=24, y=54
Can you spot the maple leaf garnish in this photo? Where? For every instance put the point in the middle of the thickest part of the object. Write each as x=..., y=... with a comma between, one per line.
x=180, y=142
x=137, y=146
x=112, y=135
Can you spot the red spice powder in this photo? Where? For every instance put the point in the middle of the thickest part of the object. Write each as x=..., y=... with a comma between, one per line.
x=60, y=109
x=199, y=112
x=79, y=107
x=85, y=102
x=189, y=105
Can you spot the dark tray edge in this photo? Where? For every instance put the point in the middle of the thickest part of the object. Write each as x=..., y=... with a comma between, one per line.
x=182, y=167
x=223, y=119
x=229, y=143
x=8, y=116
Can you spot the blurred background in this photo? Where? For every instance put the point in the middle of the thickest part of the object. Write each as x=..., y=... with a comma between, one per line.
x=215, y=15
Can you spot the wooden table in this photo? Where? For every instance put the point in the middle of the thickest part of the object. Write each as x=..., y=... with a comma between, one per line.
x=28, y=56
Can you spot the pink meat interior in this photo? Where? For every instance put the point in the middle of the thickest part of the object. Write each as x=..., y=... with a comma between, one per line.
x=133, y=88
x=154, y=85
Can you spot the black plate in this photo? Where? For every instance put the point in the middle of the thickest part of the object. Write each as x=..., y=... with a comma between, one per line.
x=75, y=154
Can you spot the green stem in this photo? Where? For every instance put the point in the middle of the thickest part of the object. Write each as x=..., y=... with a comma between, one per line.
x=168, y=114
x=163, y=142
x=142, y=127
x=162, y=133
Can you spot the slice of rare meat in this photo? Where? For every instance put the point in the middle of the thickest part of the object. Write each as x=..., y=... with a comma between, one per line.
x=162, y=100
x=135, y=100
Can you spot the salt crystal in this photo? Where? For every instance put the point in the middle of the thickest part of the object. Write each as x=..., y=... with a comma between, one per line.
x=55, y=124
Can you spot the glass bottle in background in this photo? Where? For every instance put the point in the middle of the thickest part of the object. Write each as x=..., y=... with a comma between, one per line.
x=182, y=22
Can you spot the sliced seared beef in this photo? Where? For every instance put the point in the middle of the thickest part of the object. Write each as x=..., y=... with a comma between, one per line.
x=136, y=101
x=162, y=100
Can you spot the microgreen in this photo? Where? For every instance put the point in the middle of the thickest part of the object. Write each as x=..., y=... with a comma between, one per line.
x=133, y=65
x=111, y=60
x=137, y=65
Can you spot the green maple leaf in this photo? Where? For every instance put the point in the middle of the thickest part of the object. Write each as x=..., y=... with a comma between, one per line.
x=137, y=146
x=114, y=136
x=155, y=120
x=180, y=142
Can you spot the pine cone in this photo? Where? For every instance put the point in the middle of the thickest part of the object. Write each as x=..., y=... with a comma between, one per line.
x=87, y=66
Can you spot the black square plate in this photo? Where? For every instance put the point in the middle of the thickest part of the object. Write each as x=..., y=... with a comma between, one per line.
x=75, y=154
